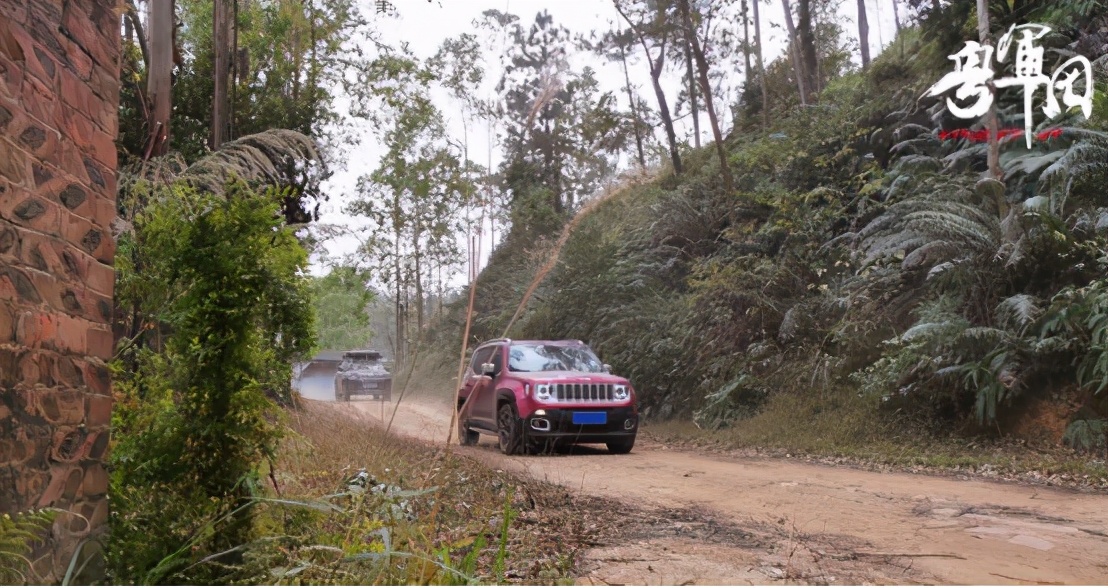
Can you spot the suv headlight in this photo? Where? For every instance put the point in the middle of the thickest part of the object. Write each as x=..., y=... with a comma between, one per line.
x=621, y=392
x=544, y=392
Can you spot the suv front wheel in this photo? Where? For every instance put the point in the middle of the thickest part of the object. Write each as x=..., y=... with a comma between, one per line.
x=469, y=437
x=509, y=433
x=622, y=446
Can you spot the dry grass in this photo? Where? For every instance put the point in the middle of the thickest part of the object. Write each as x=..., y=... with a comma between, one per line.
x=463, y=509
x=327, y=445
x=841, y=428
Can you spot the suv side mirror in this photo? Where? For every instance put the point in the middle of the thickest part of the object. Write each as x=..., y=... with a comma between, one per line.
x=488, y=369
x=607, y=368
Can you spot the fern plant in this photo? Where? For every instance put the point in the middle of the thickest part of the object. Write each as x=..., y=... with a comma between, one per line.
x=1053, y=175
x=1082, y=314
x=943, y=220
x=944, y=353
x=18, y=534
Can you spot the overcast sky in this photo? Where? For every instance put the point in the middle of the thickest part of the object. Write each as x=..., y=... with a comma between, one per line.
x=424, y=25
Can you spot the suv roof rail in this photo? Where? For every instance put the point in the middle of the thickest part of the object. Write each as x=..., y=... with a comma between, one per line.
x=499, y=340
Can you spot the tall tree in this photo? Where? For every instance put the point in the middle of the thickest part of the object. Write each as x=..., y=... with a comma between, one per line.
x=291, y=56
x=761, y=63
x=806, y=35
x=691, y=82
x=562, y=131
x=651, y=23
x=795, y=54
x=990, y=117
x=746, y=37
x=721, y=43
x=416, y=196
x=896, y=15
x=617, y=45
x=706, y=90
x=159, y=77
x=222, y=15
x=457, y=65
x=636, y=114
x=863, y=33
x=341, y=302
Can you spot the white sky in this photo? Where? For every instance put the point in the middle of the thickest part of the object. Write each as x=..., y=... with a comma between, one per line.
x=424, y=25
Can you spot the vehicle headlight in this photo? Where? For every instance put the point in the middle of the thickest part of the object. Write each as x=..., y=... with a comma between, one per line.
x=543, y=392
x=621, y=392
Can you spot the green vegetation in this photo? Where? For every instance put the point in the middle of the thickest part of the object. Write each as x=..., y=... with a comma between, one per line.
x=830, y=278
x=342, y=302
x=18, y=535
x=863, y=285
x=212, y=294
x=195, y=416
x=214, y=477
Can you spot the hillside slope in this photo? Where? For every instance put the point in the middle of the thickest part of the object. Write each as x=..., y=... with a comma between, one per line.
x=861, y=284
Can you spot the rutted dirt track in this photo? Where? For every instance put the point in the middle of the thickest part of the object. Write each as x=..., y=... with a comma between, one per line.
x=776, y=521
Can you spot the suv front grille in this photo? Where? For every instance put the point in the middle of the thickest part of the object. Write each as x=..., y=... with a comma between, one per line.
x=357, y=385
x=582, y=392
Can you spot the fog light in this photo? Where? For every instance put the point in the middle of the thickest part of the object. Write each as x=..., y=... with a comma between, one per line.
x=540, y=412
x=629, y=424
x=540, y=424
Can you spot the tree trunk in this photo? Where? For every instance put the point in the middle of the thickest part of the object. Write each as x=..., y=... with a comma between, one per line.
x=297, y=63
x=706, y=89
x=159, y=78
x=551, y=164
x=794, y=54
x=863, y=33
x=761, y=64
x=235, y=66
x=489, y=204
x=398, y=352
x=746, y=39
x=221, y=48
x=806, y=34
x=128, y=30
x=667, y=120
x=896, y=16
x=691, y=77
x=131, y=13
x=637, y=120
x=990, y=117
x=418, y=282
x=656, y=66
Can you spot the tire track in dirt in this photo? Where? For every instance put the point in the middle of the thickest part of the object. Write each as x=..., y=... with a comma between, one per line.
x=805, y=522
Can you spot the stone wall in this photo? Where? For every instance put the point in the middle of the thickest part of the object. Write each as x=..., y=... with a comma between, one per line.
x=59, y=95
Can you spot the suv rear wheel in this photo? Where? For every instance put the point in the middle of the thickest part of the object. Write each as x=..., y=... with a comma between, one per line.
x=508, y=431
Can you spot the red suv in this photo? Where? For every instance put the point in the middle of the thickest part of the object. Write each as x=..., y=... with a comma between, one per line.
x=534, y=393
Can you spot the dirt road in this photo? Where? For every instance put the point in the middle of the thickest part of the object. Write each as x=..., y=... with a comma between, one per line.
x=779, y=521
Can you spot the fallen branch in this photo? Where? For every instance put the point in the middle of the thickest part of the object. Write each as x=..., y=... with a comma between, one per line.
x=881, y=554
x=1044, y=582
x=626, y=559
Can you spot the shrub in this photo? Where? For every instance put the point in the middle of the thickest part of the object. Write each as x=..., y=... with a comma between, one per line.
x=220, y=283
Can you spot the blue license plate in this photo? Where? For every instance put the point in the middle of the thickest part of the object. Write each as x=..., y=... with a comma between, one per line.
x=590, y=418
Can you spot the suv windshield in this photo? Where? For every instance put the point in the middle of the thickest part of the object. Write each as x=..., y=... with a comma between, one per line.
x=362, y=362
x=545, y=357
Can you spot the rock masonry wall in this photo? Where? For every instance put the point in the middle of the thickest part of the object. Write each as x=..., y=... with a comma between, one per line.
x=59, y=96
